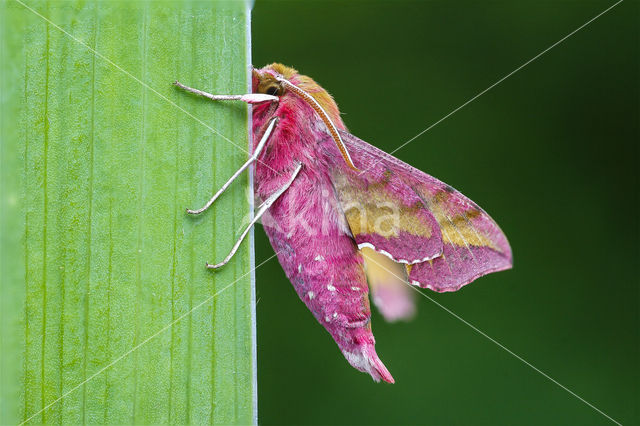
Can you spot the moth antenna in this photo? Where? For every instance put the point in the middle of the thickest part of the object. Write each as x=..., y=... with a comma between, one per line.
x=333, y=130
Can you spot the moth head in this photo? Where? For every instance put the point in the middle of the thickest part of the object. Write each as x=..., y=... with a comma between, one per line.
x=266, y=83
x=269, y=80
x=285, y=82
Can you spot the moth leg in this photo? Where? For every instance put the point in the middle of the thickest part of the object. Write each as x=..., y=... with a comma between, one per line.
x=263, y=208
x=250, y=98
x=251, y=159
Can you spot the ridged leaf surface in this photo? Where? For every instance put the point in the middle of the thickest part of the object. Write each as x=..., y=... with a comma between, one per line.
x=105, y=298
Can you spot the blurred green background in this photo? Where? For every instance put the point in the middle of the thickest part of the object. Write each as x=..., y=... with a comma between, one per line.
x=551, y=153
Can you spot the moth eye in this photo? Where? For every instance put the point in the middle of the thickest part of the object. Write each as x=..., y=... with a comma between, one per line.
x=273, y=90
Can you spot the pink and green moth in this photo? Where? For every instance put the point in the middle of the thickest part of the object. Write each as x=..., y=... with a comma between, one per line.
x=345, y=217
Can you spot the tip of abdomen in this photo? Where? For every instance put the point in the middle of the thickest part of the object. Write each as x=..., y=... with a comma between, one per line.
x=365, y=359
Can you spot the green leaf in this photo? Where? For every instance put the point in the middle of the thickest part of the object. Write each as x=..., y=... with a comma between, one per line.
x=108, y=313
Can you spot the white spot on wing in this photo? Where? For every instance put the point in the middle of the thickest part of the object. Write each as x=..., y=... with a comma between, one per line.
x=331, y=288
x=319, y=258
x=390, y=256
x=311, y=295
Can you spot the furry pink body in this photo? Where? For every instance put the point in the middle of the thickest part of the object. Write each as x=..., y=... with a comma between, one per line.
x=309, y=233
